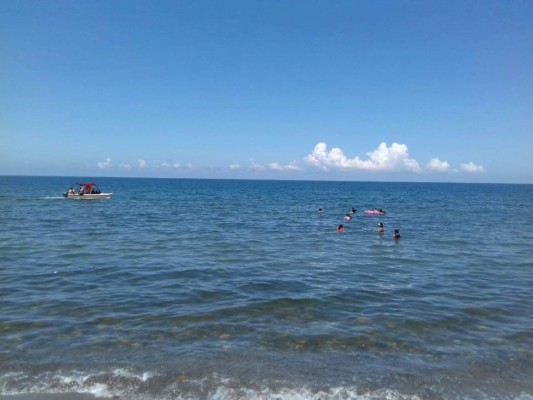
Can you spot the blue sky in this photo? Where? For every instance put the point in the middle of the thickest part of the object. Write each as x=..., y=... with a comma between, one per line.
x=330, y=90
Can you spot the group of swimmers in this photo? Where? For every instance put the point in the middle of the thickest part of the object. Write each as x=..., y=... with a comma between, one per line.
x=348, y=217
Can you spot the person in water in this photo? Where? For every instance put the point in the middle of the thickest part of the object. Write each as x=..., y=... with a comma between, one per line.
x=320, y=210
x=381, y=229
x=340, y=228
x=396, y=234
x=347, y=217
x=353, y=211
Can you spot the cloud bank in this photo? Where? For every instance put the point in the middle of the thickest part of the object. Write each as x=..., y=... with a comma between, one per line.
x=437, y=165
x=289, y=167
x=393, y=158
x=105, y=164
x=274, y=166
x=471, y=167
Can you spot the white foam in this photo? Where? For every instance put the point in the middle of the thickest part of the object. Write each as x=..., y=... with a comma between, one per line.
x=100, y=390
x=128, y=384
x=125, y=373
x=338, y=393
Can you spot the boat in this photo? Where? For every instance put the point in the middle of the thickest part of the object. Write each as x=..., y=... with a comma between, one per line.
x=86, y=191
x=374, y=212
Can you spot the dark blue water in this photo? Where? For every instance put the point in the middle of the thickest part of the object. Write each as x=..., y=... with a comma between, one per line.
x=213, y=289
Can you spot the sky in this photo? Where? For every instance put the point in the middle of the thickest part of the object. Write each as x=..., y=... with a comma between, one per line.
x=352, y=90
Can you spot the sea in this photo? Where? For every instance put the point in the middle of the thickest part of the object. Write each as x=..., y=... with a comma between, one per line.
x=241, y=289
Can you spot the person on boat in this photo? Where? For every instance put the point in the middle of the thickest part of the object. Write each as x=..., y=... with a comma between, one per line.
x=347, y=217
x=396, y=234
x=81, y=192
x=381, y=229
x=340, y=228
x=71, y=191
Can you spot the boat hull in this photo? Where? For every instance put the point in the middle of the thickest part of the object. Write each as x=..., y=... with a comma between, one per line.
x=89, y=196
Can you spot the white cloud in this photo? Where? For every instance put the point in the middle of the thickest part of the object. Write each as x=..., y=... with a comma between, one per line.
x=393, y=158
x=167, y=165
x=257, y=167
x=124, y=166
x=289, y=167
x=234, y=166
x=437, y=165
x=471, y=167
x=105, y=164
x=141, y=163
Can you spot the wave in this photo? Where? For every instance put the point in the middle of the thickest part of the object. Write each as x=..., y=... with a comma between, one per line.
x=123, y=383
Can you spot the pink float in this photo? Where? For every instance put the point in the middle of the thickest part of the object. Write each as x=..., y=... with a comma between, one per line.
x=374, y=212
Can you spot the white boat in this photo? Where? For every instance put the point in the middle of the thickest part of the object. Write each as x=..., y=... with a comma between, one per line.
x=86, y=191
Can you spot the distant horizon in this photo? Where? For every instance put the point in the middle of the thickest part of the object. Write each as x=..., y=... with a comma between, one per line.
x=95, y=178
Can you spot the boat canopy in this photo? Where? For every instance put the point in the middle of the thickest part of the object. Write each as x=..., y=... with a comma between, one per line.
x=87, y=184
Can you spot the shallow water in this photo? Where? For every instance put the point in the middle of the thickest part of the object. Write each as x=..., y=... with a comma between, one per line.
x=213, y=289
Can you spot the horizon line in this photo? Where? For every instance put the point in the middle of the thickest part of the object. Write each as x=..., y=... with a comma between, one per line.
x=256, y=179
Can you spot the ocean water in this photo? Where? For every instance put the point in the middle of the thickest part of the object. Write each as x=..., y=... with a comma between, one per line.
x=220, y=289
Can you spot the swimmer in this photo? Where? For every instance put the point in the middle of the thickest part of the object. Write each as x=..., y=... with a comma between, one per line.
x=347, y=217
x=381, y=229
x=320, y=210
x=340, y=228
x=396, y=234
x=353, y=211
